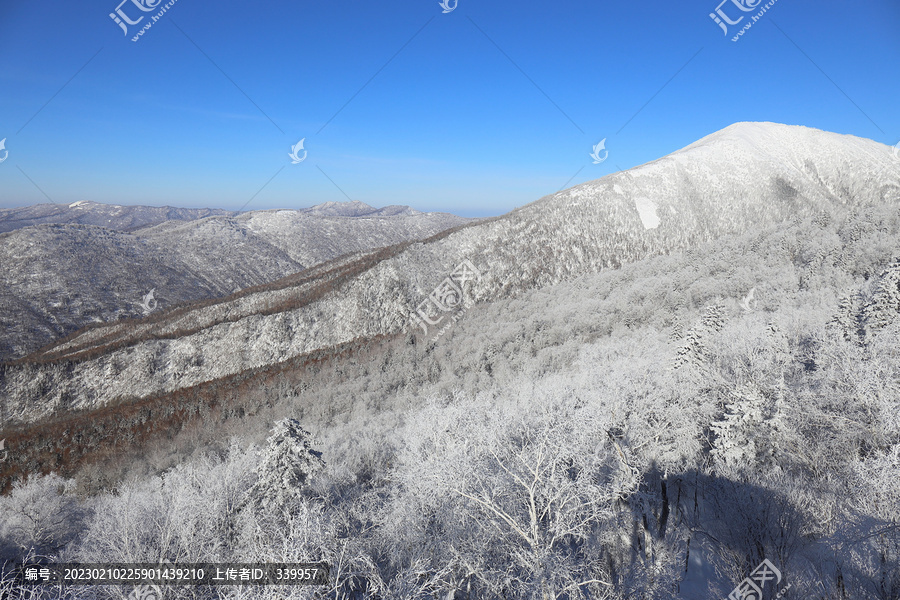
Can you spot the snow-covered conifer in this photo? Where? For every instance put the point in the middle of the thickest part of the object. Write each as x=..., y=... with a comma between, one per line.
x=884, y=306
x=288, y=463
x=747, y=432
x=694, y=350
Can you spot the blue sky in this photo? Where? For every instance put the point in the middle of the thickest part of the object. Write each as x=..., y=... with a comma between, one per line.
x=475, y=111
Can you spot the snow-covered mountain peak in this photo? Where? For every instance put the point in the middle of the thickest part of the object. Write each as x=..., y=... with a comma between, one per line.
x=742, y=171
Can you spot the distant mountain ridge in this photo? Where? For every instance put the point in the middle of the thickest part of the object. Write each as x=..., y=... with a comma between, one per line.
x=111, y=216
x=130, y=218
x=58, y=277
x=356, y=208
x=731, y=182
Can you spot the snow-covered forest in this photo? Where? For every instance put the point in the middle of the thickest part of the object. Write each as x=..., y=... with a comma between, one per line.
x=652, y=431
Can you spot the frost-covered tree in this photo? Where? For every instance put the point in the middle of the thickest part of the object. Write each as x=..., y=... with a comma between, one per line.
x=183, y=515
x=511, y=505
x=694, y=349
x=289, y=462
x=41, y=515
x=884, y=305
x=870, y=554
x=744, y=522
x=746, y=434
x=735, y=443
x=847, y=318
x=677, y=333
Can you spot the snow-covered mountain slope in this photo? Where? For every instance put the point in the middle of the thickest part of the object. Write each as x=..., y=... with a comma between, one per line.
x=739, y=179
x=742, y=397
x=57, y=278
x=309, y=237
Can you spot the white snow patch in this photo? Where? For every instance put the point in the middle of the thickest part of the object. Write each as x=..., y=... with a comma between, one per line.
x=699, y=572
x=79, y=203
x=647, y=212
x=618, y=189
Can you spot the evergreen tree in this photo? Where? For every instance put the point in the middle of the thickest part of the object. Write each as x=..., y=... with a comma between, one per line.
x=845, y=318
x=884, y=306
x=677, y=332
x=735, y=443
x=694, y=350
x=287, y=466
x=849, y=318
x=747, y=432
